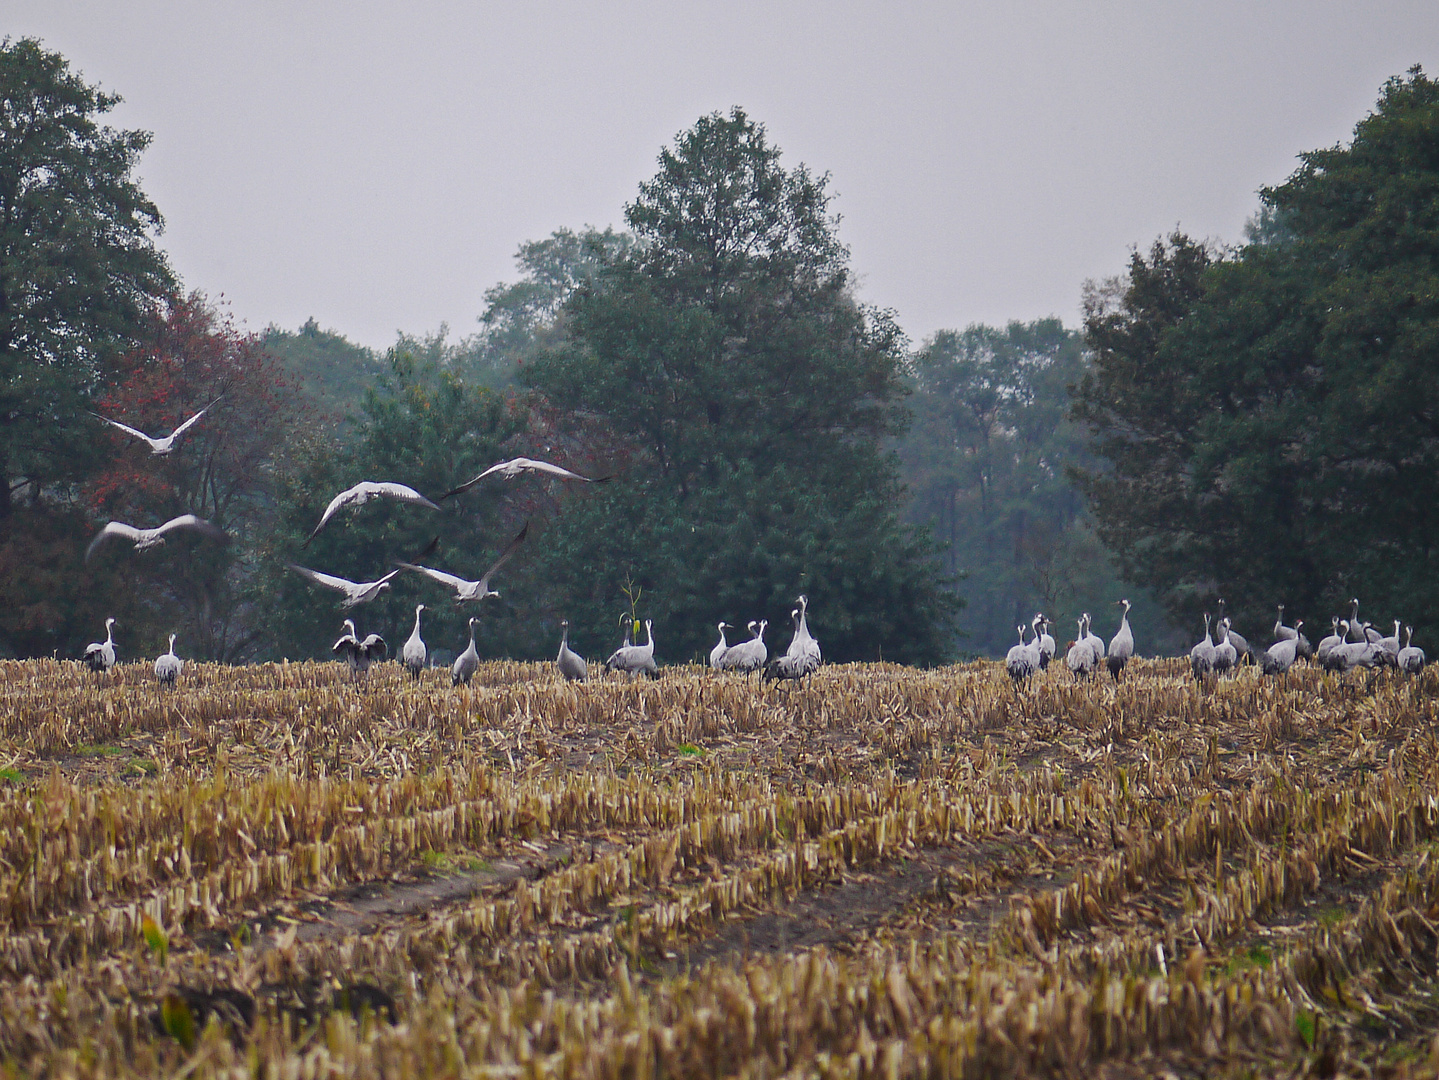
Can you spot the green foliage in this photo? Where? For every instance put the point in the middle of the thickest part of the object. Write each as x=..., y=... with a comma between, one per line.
x=726, y=353
x=985, y=461
x=332, y=371
x=522, y=317
x=424, y=426
x=1270, y=415
x=78, y=267
x=79, y=278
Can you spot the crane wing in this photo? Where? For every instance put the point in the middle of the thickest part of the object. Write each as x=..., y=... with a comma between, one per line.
x=399, y=492
x=515, y=466
x=335, y=504
x=534, y=465
x=113, y=528
x=510, y=549
x=191, y=422
x=438, y=575
x=126, y=428
x=327, y=580
x=199, y=524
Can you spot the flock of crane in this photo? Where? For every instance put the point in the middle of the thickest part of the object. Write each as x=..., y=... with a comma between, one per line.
x=1351, y=645
x=800, y=660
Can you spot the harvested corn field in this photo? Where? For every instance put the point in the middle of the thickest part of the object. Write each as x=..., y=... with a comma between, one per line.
x=275, y=872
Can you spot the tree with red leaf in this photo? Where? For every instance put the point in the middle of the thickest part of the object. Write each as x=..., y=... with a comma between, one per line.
x=222, y=469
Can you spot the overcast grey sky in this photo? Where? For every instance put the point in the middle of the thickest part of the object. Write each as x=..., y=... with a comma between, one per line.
x=376, y=165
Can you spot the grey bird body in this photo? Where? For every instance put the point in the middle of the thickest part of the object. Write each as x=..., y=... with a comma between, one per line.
x=1280, y=656
x=100, y=655
x=1121, y=648
x=359, y=654
x=1022, y=660
x=1411, y=657
x=414, y=653
x=508, y=470
x=355, y=592
x=636, y=659
x=362, y=493
x=467, y=663
x=1080, y=657
x=143, y=539
x=717, y=653
x=802, y=658
x=749, y=655
x=570, y=663
x=466, y=591
x=1201, y=657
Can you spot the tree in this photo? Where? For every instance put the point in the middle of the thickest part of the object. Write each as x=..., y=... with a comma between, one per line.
x=420, y=424
x=985, y=461
x=1270, y=415
x=80, y=281
x=79, y=272
x=727, y=350
x=523, y=316
x=332, y=370
x=224, y=470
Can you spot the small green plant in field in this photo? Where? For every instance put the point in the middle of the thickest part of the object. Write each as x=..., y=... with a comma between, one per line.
x=1305, y=1025
x=144, y=766
x=99, y=750
x=1332, y=916
x=14, y=776
x=432, y=859
x=178, y=1020
x=690, y=750
x=155, y=938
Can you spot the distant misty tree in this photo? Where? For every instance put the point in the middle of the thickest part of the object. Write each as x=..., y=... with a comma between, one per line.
x=523, y=316
x=1269, y=418
x=726, y=351
x=985, y=461
x=332, y=370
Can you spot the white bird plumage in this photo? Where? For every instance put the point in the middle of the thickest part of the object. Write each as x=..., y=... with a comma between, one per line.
x=508, y=470
x=168, y=666
x=717, y=653
x=100, y=655
x=362, y=493
x=1411, y=657
x=469, y=591
x=159, y=447
x=144, y=539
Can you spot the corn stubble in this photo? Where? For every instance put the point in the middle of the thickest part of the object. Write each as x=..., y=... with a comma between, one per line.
x=272, y=872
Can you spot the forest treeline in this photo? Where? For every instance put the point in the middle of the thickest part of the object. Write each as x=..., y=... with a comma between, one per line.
x=1213, y=428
